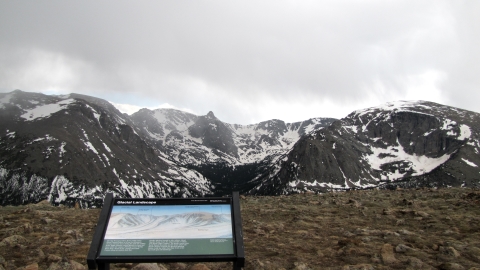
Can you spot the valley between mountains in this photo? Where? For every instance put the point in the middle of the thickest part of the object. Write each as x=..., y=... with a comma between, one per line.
x=74, y=149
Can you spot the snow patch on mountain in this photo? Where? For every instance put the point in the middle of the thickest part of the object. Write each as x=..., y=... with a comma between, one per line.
x=46, y=110
x=469, y=162
x=417, y=164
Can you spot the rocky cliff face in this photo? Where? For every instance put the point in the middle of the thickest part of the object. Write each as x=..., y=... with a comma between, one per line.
x=71, y=148
x=402, y=143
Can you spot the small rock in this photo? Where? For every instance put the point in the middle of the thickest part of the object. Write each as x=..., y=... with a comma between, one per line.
x=261, y=264
x=387, y=212
x=422, y=214
x=376, y=258
x=124, y=265
x=449, y=251
x=415, y=263
x=401, y=248
x=55, y=266
x=354, y=203
x=27, y=227
x=146, y=266
x=320, y=254
x=162, y=267
x=13, y=240
x=388, y=257
x=74, y=265
x=358, y=267
x=300, y=266
x=199, y=266
x=405, y=232
x=65, y=266
x=33, y=266
x=179, y=266
x=450, y=266
x=54, y=258
x=46, y=220
x=259, y=231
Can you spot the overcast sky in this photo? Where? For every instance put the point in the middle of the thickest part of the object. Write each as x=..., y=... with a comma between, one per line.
x=247, y=61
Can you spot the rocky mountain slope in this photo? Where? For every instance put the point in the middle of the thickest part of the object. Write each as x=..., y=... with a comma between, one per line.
x=367, y=229
x=229, y=155
x=76, y=148
x=402, y=143
x=195, y=140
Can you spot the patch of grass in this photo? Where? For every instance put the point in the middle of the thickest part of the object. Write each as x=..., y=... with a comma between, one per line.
x=327, y=231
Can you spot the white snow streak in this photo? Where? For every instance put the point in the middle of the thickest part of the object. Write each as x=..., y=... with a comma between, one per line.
x=46, y=110
x=469, y=162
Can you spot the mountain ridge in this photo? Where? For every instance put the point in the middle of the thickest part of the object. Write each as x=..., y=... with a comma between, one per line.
x=383, y=144
x=75, y=148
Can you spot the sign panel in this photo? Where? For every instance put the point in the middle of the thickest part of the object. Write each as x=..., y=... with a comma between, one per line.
x=169, y=228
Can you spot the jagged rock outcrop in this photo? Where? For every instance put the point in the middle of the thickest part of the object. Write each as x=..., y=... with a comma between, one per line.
x=402, y=143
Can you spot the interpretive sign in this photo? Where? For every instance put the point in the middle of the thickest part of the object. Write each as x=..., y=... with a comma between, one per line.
x=167, y=230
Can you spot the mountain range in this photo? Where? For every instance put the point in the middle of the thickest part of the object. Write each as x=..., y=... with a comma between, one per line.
x=75, y=148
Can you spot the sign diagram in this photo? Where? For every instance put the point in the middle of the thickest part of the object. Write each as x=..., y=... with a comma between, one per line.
x=170, y=222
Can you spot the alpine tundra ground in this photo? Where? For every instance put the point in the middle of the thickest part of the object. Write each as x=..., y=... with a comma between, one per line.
x=371, y=229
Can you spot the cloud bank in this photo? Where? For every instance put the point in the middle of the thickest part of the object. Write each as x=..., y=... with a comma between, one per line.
x=247, y=61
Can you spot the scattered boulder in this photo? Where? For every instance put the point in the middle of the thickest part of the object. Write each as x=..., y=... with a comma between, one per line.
x=46, y=220
x=401, y=248
x=69, y=265
x=74, y=265
x=13, y=241
x=300, y=266
x=163, y=267
x=450, y=266
x=388, y=257
x=359, y=267
x=199, y=266
x=146, y=266
x=449, y=251
x=33, y=266
x=415, y=263
x=54, y=258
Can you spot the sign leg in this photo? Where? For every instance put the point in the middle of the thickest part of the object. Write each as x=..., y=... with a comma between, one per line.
x=103, y=266
x=236, y=266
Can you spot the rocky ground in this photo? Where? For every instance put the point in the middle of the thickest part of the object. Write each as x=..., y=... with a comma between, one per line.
x=374, y=229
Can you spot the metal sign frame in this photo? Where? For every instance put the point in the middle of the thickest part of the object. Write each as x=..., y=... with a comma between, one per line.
x=95, y=259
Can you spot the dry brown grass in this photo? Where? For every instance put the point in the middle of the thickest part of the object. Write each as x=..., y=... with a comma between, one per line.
x=427, y=229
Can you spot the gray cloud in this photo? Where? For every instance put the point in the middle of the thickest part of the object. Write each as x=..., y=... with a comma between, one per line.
x=246, y=61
